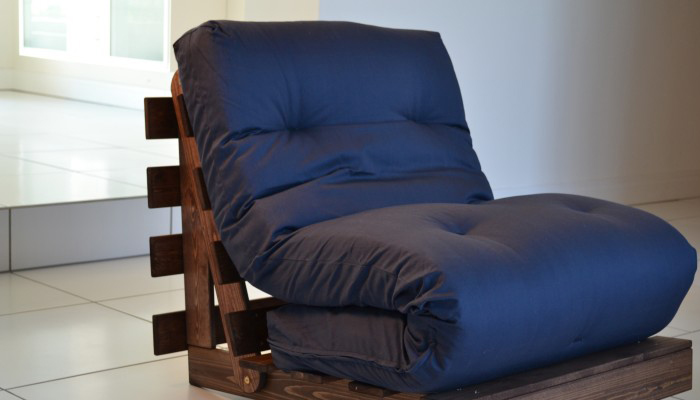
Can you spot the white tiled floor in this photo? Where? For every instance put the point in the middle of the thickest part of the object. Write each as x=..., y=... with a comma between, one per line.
x=59, y=151
x=84, y=332
x=55, y=153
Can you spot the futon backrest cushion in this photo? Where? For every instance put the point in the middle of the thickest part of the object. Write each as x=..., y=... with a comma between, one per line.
x=300, y=122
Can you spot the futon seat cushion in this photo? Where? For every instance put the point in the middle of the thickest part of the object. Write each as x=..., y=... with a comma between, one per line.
x=453, y=294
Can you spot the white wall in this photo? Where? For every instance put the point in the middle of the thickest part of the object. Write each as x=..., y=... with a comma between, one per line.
x=594, y=97
x=273, y=10
x=8, y=35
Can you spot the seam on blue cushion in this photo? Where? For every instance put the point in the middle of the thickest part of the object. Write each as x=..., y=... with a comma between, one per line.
x=340, y=263
x=393, y=121
x=349, y=357
x=282, y=70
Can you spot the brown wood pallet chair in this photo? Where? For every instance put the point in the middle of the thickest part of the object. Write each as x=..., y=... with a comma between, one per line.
x=653, y=369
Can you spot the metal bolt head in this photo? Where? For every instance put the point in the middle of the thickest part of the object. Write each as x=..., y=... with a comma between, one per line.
x=246, y=380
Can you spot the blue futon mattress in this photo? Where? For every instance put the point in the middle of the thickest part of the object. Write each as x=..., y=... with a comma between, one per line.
x=342, y=178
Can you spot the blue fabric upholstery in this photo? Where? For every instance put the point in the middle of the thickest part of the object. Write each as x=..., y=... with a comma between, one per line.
x=343, y=180
x=476, y=291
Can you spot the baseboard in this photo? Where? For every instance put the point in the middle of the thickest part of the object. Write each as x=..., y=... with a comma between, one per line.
x=626, y=190
x=6, y=79
x=83, y=89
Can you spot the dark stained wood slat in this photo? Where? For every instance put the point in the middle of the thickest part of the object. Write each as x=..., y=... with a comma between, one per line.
x=186, y=125
x=249, y=332
x=210, y=368
x=657, y=378
x=537, y=380
x=161, y=122
x=262, y=363
x=201, y=189
x=170, y=332
x=166, y=255
x=359, y=387
x=313, y=378
x=266, y=303
x=163, y=186
x=227, y=271
x=249, y=328
x=199, y=231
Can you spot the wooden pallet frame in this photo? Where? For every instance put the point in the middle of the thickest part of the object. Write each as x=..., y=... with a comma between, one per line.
x=654, y=369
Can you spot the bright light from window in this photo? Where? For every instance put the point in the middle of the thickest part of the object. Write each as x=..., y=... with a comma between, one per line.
x=137, y=29
x=45, y=24
x=130, y=33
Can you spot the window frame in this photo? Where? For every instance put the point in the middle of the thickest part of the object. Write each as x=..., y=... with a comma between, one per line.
x=107, y=59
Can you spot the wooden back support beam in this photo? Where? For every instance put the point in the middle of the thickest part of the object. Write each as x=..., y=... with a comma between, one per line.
x=199, y=255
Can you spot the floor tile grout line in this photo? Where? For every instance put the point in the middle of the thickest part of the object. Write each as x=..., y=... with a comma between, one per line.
x=16, y=395
x=93, y=372
x=88, y=173
x=689, y=217
x=9, y=239
x=87, y=300
x=123, y=312
x=63, y=169
x=53, y=287
x=44, y=309
x=140, y=295
x=665, y=201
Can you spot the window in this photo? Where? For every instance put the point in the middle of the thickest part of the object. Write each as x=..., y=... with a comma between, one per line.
x=131, y=33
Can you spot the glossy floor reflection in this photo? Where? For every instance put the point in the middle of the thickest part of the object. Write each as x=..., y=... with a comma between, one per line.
x=59, y=151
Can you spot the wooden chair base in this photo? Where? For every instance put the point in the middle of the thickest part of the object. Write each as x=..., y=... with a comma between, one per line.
x=653, y=369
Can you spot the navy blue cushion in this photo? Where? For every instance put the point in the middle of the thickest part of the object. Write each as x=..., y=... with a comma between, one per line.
x=298, y=123
x=343, y=180
x=455, y=294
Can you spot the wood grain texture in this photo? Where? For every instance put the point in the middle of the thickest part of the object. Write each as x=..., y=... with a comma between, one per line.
x=202, y=192
x=249, y=327
x=223, y=263
x=208, y=368
x=601, y=365
x=170, y=332
x=666, y=372
x=249, y=330
x=199, y=291
x=374, y=391
x=161, y=122
x=653, y=379
x=166, y=255
x=262, y=363
x=199, y=233
x=163, y=186
x=312, y=377
x=184, y=125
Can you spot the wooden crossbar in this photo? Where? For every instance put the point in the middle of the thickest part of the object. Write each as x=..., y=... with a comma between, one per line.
x=167, y=257
x=163, y=186
x=161, y=122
